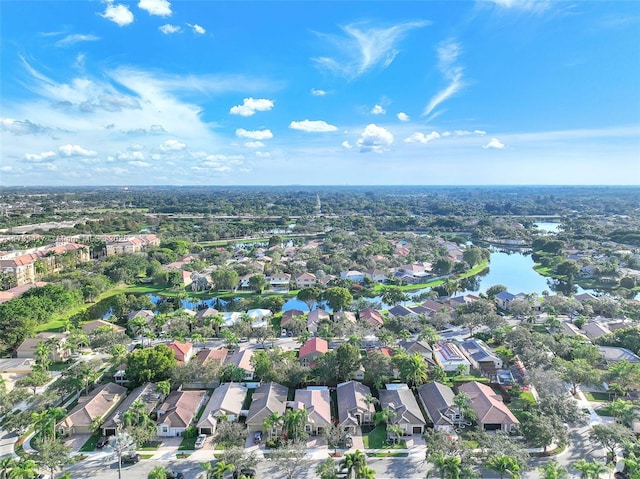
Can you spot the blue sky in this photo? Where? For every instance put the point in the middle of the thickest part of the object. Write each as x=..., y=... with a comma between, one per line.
x=344, y=92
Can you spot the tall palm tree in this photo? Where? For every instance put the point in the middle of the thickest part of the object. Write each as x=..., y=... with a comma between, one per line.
x=353, y=464
x=439, y=460
x=553, y=470
x=384, y=416
x=504, y=465
x=397, y=432
x=596, y=469
x=583, y=467
x=23, y=469
x=623, y=411
x=294, y=421
x=452, y=467
x=6, y=464
x=272, y=420
x=218, y=471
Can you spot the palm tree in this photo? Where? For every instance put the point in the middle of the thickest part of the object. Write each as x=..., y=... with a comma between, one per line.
x=439, y=460
x=158, y=472
x=294, y=421
x=384, y=416
x=553, y=470
x=504, y=465
x=23, y=469
x=583, y=467
x=623, y=411
x=596, y=469
x=463, y=401
x=397, y=432
x=452, y=467
x=354, y=464
x=6, y=464
x=271, y=421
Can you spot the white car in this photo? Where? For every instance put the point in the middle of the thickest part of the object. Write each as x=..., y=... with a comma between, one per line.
x=200, y=441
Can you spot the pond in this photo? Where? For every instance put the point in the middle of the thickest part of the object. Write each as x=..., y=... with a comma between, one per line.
x=548, y=227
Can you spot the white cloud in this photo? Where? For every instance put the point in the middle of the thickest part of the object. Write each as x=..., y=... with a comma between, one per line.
x=422, y=138
x=463, y=132
x=39, y=156
x=197, y=29
x=21, y=127
x=402, y=116
x=315, y=92
x=374, y=138
x=530, y=5
x=69, y=151
x=250, y=106
x=448, y=53
x=168, y=29
x=364, y=47
x=76, y=38
x=263, y=154
x=172, y=145
x=254, y=144
x=141, y=164
x=312, y=126
x=378, y=110
x=131, y=155
x=118, y=14
x=479, y=132
x=161, y=8
x=255, y=134
x=347, y=145
x=494, y=143
x=446, y=133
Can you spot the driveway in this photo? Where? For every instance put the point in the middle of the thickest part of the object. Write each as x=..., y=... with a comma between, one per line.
x=76, y=441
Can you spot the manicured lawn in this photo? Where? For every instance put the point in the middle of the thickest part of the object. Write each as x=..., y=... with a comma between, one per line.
x=150, y=446
x=388, y=454
x=187, y=444
x=604, y=410
x=377, y=439
x=90, y=445
x=146, y=456
x=596, y=396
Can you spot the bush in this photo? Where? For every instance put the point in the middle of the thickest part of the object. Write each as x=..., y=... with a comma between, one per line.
x=273, y=442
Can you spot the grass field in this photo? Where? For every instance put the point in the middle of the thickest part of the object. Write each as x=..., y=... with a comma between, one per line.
x=377, y=438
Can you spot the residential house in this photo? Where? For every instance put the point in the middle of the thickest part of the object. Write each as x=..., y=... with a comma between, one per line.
x=481, y=357
x=314, y=318
x=401, y=401
x=311, y=350
x=345, y=316
x=355, y=276
x=416, y=346
x=372, y=317
x=182, y=351
x=450, y=358
x=438, y=401
x=56, y=341
x=145, y=394
x=147, y=314
x=178, y=411
x=503, y=298
x=226, y=401
x=242, y=359
x=267, y=399
x=612, y=354
x=594, y=329
x=131, y=244
x=219, y=355
x=491, y=413
x=204, y=315
x=91, y=326
x=279, y=281
x=317, y=403
x=376, y=275
x=306, y=280
x=434, y=307
x=18, y=291
x=353, y=408
x=288, y=318
x=91, y=408
x=400, y=310
x=570, y=329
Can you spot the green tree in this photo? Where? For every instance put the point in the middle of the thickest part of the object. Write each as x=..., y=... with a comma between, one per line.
x=327, y=469
x=610, y=436
x=472, y=256
x=553, y=470
x=258, y=283
x=150, y=364
x=577, y=372
x=337, y=298
x=309, y=296
x=23, y=468
x=393, y=295
x=158, y=472
x=504, y=465
x=353, y=464
x=53, y=455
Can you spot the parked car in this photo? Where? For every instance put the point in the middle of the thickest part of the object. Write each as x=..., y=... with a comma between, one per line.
x=174, y=475
x=245, y=471
x=130, y=458
x=257, y=437
x=200, y=441
x=243, y=339
x=43, y=476
x=103, y=441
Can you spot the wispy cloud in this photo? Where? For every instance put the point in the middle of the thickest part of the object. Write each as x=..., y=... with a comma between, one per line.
x=375, y=138
x=173, y=145
x=39, y=156
x=161, y=8
x=312, y=126
x=197, y=29
x=118, y=14
x=448, y=53
x=402, y=116
x=69, y=151
x=255, y=134
x=168, y=29
x=419, y=137
x=250, y=106
x=364, y=47
x=315, y=92
x=76, y=38
x=494, y=143
x=378, y=110
x=528, y=5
